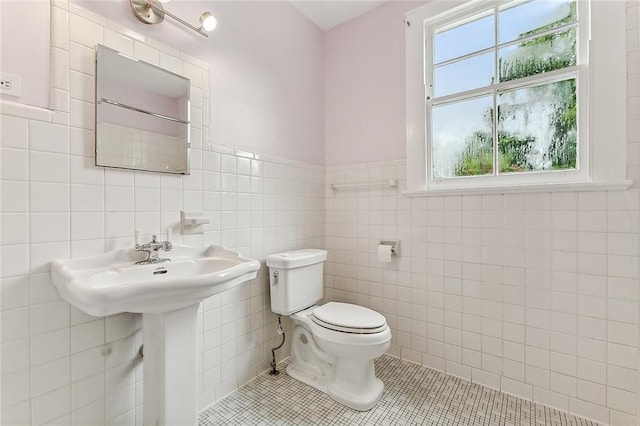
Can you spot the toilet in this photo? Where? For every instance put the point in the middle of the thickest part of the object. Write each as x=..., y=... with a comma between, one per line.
x=333, y=346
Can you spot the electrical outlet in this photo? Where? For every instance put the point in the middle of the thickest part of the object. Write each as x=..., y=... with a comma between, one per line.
x=10, y=85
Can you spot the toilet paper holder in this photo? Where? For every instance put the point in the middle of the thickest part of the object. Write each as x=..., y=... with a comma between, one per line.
x=395, y=246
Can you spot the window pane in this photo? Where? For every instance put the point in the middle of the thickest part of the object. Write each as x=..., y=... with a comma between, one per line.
x=463, y=138
x=463, y=39
x=547, y=53
x=534, y=17
x=537, y=128
x=468, y=74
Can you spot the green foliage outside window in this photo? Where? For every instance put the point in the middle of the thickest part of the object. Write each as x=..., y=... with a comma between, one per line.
x=533, y=57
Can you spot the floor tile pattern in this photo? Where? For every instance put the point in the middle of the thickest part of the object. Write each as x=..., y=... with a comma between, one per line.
x=413, y=395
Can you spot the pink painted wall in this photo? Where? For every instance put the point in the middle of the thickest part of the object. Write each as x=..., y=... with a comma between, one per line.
x=278, y=84
x=365, y=86
x=266, y=72
x=267, y=79
x=24, y=32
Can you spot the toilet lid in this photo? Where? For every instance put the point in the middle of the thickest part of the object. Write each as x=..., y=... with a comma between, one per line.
x=348, y=318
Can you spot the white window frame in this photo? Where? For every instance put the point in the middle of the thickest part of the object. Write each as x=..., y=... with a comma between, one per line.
x=602, y=116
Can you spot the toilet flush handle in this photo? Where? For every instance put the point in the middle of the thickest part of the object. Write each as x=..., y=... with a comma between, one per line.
x=275, y=276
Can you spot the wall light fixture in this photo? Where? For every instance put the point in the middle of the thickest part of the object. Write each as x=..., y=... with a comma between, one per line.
x=152, y=12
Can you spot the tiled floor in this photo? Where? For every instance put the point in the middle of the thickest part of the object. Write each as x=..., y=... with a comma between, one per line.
x=413, y=395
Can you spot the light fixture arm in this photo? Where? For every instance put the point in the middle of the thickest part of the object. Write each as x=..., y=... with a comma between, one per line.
x=183, y=22
x=150, y=12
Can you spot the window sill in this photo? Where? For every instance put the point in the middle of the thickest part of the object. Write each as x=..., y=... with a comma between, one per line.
x=514, y=189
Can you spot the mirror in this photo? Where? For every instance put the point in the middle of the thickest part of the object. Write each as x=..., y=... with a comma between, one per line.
x=142, y=115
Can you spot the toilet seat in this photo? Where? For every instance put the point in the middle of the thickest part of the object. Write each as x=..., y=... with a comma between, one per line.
x=348, y=318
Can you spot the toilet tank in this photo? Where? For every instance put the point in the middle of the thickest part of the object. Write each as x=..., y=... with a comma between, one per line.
x=295, y=279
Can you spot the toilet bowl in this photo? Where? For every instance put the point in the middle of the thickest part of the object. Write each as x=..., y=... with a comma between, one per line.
x=339, y=362
x=333, y=346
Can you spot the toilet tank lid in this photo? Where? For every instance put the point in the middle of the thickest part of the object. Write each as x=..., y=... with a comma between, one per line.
x=296, y=258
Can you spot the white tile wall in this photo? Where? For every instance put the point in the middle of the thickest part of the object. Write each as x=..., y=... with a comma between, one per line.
x=513, y=308
x=60, y=365
x=535, y=294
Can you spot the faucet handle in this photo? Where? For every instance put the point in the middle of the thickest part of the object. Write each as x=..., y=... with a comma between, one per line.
x=153, y=238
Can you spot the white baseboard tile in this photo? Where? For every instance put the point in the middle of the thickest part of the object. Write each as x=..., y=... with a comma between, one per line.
x=394, y=350
x=618, y=418
x=589, y=410
x=411, y=355
x=485, y=378
x=458, y=370
x=516, y=388
x=551, y=399
x=433, y=362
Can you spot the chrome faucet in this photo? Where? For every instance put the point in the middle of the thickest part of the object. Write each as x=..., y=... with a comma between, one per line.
x=151, y=248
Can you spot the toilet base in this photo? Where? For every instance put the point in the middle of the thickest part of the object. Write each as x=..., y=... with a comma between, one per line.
x=355, y=384
x=339, y=390
x=303, y=376
x=309, y=364
x=351, y=382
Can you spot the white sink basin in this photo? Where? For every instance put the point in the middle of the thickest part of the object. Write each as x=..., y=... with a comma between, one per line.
x=112, y=283
x=167, y=294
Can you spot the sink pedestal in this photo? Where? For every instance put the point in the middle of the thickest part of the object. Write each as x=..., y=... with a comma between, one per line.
x=168, y=296
x=170, y=360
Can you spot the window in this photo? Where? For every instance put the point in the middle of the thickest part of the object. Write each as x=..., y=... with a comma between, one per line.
x=498, y=95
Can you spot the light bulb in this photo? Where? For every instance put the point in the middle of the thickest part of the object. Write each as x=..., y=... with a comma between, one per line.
x=208, y=21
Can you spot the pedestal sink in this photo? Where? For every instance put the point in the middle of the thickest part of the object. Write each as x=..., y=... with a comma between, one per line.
x=167, y=295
